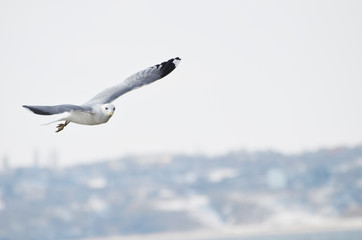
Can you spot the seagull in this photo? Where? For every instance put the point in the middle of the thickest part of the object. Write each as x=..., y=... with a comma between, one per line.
x=100, y=109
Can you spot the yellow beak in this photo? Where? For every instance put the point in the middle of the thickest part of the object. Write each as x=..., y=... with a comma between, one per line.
x=111, y=113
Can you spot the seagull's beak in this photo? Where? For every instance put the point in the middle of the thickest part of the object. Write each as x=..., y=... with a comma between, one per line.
x=111, y=113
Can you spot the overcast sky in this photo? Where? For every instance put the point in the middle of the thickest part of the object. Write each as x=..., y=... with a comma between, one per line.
x=254, y=75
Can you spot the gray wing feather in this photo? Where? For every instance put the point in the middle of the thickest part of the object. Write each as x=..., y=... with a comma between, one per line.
x=137, y=80
x=50, y=110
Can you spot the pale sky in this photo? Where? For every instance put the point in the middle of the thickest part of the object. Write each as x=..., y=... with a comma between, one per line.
x=254, y=75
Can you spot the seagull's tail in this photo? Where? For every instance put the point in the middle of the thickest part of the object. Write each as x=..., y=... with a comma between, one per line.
x=60, y=117
x=44, y=124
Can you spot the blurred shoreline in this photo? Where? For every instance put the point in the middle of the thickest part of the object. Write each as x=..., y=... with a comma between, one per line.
x=227, y=197
x=250, y=230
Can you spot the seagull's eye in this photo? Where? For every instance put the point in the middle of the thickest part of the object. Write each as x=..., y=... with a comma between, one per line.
x=114, y=109
x=106, y=108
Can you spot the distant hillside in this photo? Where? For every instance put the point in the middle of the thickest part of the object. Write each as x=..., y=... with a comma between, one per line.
x=174, y=193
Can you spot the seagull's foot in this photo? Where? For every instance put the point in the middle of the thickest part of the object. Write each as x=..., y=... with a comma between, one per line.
x=61, y=126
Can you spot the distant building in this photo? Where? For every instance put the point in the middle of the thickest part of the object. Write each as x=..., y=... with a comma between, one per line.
x=5, y=163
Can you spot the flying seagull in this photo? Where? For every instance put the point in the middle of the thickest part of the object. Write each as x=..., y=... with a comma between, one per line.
x=100, y=109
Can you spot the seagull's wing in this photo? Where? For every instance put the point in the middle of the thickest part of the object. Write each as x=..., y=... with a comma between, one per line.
x=137, y=80
x=50, y=110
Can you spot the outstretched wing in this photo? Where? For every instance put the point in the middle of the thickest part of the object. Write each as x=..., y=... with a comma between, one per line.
x=50, y=110
x=137, y=80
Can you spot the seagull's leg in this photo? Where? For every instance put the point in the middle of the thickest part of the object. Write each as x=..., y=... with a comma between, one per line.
x=61, y=126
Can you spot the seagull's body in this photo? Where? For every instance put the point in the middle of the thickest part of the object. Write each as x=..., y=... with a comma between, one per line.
x=100, y=109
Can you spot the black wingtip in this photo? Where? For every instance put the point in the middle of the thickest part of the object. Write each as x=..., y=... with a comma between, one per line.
x=28, y=108
x=35, y=110
x=168, y=66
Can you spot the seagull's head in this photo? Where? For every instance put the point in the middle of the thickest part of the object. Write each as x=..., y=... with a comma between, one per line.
x=108, y=109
